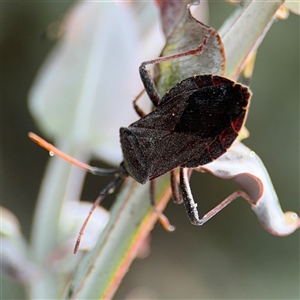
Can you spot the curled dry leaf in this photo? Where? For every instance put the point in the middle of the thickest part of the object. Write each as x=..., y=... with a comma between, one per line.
x=170, y=13
x=190, y=35
x=245, y=168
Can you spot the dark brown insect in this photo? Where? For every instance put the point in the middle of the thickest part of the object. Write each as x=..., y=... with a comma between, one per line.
x=192, y=124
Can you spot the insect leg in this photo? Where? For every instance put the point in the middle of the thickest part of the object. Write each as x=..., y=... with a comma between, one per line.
x=119, y=173
x=149, y=83
x=175, y=188
x=138, y=110
x=177, y=197
x=161, y=217
x=191, y=206
x=102, y=195
x=148, y=80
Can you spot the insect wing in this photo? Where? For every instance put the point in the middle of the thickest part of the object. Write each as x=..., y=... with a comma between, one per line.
x=195, y=123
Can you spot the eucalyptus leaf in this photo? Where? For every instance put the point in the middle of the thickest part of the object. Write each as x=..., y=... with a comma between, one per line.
x=74, y=91
x=245, y=167
x=190, y=34
x=100, y=271
x=99, y=274
x=243, y=32
x=170, y=13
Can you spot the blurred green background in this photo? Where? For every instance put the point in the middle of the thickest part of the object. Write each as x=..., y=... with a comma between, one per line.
x=232, y=256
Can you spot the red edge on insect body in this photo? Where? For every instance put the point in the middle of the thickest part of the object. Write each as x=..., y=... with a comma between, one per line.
x=145, y=228
x=239, y=122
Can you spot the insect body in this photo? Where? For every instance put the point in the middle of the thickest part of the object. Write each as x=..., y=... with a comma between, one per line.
x=192, y=124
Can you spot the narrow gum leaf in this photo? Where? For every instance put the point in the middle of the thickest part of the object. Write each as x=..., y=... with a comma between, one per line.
x=75, y=91
x=245, y=167
x=62, y=181
x=238, y=40
x=101, y=270
x=170, y=12
x=188, y=35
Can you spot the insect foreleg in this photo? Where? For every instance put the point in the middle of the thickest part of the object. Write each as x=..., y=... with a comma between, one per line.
x=149, y=83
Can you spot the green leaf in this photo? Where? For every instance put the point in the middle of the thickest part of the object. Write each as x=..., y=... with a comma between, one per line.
x=101, y=270
x=243, y=32
x=190, y=34
x=132, y=218
x=99, y=273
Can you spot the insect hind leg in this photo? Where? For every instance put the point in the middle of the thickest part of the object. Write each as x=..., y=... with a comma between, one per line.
x=191, y=205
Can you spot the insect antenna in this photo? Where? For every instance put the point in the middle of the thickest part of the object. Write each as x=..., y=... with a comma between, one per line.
x=119, y=173
x=97, y=202
x=54, y=151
